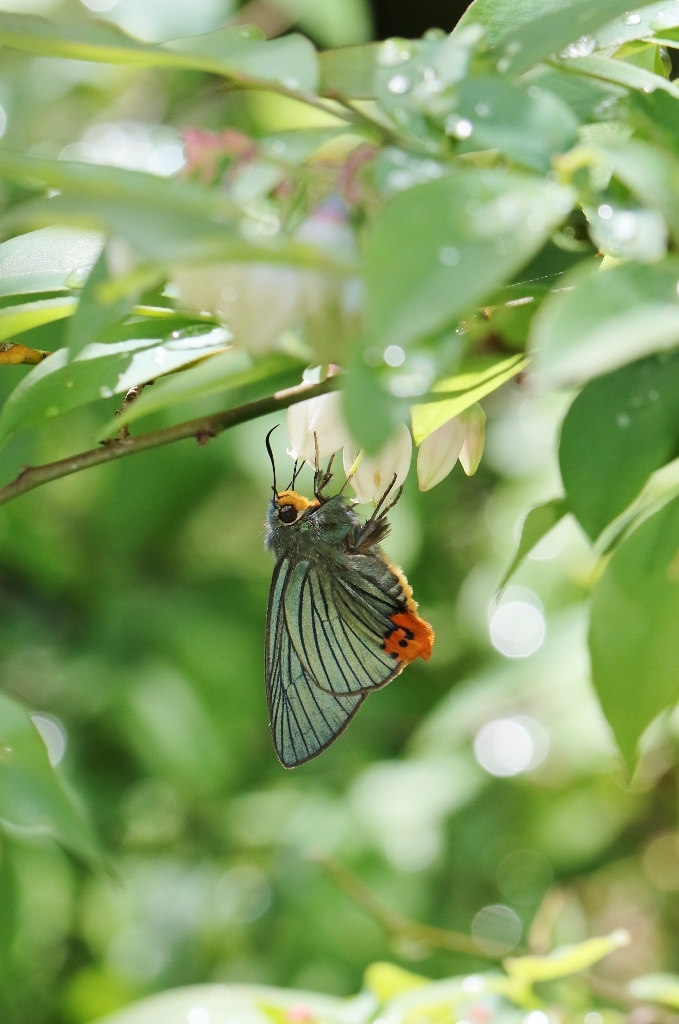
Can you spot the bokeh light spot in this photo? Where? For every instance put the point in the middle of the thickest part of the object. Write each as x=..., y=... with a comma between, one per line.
x=496, y=929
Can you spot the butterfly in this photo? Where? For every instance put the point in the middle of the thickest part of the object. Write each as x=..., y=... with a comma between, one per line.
x=341, y=620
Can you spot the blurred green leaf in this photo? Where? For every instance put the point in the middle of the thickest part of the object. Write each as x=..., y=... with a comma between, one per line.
x=33, y=800
x=620, y=73
x=633, y=419
x=386, y=980
x=657, y=988
x=648, y=18
x=226, y=372
x=651, y=174
x=528, y=129
x=93, y=316
x=367, y=409
x=100, y=371
x=16, y=319
x=633, y=633
x=469, y=387
x=565, y=960
x=333, y=22
x=551, y=28
x=436, y=250
x=51, y=259
x=537, y=524
x=601, y=320
x=239, y=52
x=350, y=72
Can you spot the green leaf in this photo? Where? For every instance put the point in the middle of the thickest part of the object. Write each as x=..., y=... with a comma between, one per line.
x=350, y=72
x=239, y=53
x=16, y=319
x=633, y=417
x=604, y=319
x=633, y=639
x=651, y=174
x=521, y=48
x=51, y=259
x=367, y=408
x=436, y=250
x=468, y=387
x=333, y=22
x=93, y=315
x=386, y=980
x=528, y=129
x=537, y=524
x=647, y=20
x=226, y=372
x=33, y=800
x=500, y=17
x=657, y=988
x=588, y=98
x=620, y=73
x=565, y=960
x=100, y=371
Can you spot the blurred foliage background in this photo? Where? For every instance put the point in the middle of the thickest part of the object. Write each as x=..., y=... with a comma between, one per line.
x=480, y=793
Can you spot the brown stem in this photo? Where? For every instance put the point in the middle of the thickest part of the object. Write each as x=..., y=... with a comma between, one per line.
x=131, y=396
x=202, y=429
x=396, y=926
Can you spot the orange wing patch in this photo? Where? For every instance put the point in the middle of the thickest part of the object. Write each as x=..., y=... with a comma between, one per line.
x=411, y=637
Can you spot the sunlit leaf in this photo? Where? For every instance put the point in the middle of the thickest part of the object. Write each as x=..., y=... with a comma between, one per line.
x=632, y=416
x=239, y=52
x=386, y=980
x=620, y=73
x=100, y=371
x=93, y=316
x=226, y=372
x=333, y=22
x=436, y=250
x=565, y=960
x=633, y=635
x=33, y=800
x=16, y=319
x=657, y=988
x=646, y=21
x=604, y=319
x=51, y=259
x=651, y=174
x=537, y=524
x=467, y=387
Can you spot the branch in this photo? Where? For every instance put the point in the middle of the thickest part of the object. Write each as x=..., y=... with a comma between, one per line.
x=396, y=926
x=202, y=429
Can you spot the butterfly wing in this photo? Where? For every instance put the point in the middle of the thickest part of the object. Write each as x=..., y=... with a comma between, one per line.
x=305, y=719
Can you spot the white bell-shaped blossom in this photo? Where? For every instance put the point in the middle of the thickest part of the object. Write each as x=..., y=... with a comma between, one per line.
x=374, y=473
x=474, y=439
x=321, y=417
x=439, y=452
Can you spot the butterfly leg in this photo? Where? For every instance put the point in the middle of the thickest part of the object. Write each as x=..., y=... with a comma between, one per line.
x=321, y=478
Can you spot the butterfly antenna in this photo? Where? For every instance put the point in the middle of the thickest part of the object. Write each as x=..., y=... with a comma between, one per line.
x=273, y=462
x=380, y=503
x=296, y=470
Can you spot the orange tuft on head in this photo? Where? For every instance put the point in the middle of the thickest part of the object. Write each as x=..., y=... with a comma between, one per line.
x=297, y=501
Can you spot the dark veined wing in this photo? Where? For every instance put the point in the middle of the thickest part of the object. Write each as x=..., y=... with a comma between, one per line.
x=304, y=718
x=338, y=622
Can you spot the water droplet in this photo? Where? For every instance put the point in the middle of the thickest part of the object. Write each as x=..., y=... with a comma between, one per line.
x=460, y=127
x=605, y=211
x=51, y=412
x=69, y=383
x=503, y=65
x=482, y=109
x=582, y=47
x=648, y=89
x=535, y=92
x=289, y=82
x=105, y=392
x=159, y=357
x=449, y=256
x=434, y=34
x=77, y=277
x=667, y=18
x=398, y=84
x=631, y=19
x=392, y=52
x=623, y=420
x=653, y=396
x=278, y=146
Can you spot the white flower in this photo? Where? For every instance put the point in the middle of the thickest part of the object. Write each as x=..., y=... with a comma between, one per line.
x=439, y=452
x=474, y=439
x=375, y=473
x=321, y=416
x=461, y=437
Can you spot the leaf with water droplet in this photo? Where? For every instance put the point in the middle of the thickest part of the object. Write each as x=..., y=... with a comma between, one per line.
x=538, y=523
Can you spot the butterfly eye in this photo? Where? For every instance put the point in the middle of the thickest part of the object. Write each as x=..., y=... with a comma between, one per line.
x=287, y=514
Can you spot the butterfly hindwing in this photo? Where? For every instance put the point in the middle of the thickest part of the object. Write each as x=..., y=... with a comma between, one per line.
x=304, y=718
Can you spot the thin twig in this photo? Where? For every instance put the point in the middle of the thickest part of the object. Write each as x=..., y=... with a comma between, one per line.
x=131, y=396
x=395, y=925
x=202, y=429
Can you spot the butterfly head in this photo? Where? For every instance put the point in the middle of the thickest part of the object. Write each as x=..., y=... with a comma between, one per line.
x=289, y=507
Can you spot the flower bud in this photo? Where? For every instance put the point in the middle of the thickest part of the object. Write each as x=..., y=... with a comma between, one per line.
x=474, y=438
x=439, y=452
x=375, y=473
x=321, y=416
